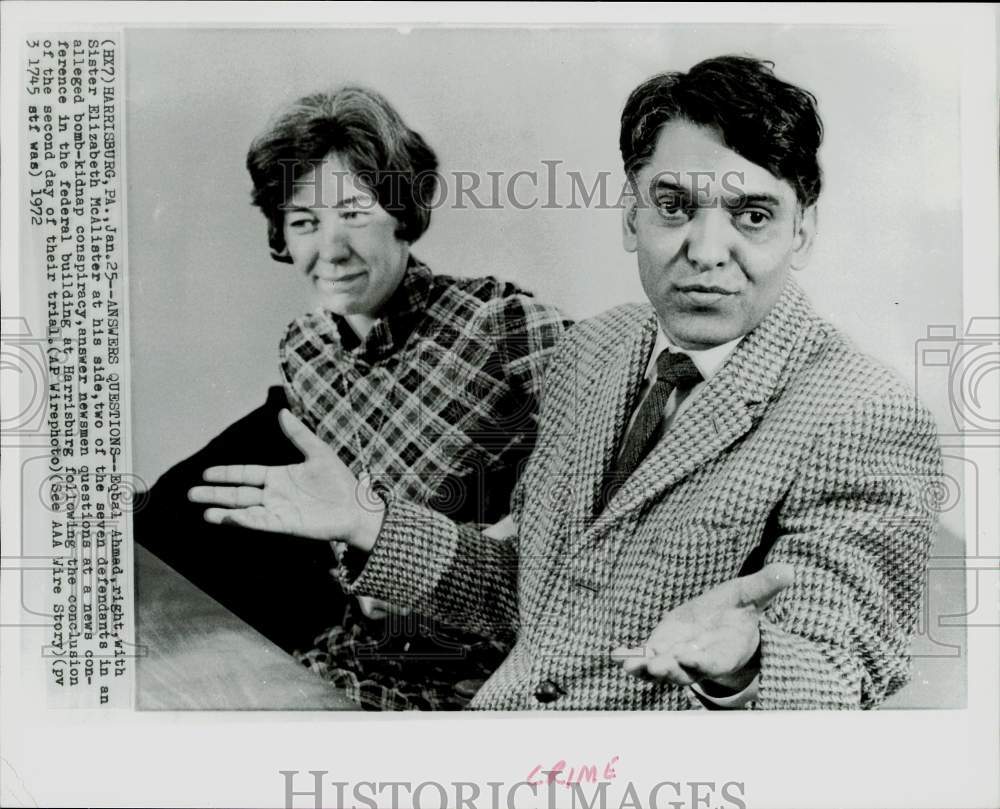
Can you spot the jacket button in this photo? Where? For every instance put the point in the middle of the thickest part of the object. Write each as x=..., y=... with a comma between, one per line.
x=548, y=691
x=468, y=688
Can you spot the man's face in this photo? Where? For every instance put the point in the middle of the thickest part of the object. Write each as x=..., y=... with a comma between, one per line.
x=344, y=241
x=715, y=236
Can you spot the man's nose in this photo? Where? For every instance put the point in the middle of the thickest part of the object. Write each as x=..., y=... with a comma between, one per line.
x=709, y=239
x=335, y=244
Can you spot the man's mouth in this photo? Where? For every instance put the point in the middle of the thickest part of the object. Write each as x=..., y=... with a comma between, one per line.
x=705, y=294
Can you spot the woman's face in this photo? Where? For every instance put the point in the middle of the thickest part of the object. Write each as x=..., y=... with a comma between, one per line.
x=343, y=240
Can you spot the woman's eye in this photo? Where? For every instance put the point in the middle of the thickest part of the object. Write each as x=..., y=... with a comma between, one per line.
x=302, y=224
x=355, y=215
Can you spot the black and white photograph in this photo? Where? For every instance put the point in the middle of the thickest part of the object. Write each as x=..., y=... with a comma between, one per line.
x=391, y=244
x=491, y=389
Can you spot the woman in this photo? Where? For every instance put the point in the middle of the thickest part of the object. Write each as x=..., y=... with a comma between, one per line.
x=425, y=384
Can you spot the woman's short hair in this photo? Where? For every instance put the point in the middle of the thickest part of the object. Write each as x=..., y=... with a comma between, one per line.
x=760, y=117
x=367, y=134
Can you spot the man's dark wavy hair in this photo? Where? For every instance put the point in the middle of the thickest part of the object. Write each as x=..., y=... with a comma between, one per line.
x=362, y=128
x=760, y=117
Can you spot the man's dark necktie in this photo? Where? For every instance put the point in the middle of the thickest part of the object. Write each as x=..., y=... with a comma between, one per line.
x=673, y=370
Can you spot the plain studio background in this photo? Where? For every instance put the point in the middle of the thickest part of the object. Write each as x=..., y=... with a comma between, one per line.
x=208, y=305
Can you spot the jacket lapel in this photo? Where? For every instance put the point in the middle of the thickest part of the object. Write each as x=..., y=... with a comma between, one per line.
x=714, y=419
x=607, y=396
x=721, y=412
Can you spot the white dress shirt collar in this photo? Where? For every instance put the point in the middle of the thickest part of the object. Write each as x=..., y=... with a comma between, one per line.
x=708, y=361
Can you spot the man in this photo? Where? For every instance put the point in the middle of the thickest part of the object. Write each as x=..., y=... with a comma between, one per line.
x=725, y=494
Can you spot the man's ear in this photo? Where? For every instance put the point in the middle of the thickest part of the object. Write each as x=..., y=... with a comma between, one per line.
x=629, y=214
x=805, y=233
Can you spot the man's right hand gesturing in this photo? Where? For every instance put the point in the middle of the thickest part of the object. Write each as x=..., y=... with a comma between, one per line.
x=319, y=498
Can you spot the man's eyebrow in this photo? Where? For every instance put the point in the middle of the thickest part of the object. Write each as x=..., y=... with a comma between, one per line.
x=664, y=187
x=663, y=184
x=745, y=200
x=737, y=200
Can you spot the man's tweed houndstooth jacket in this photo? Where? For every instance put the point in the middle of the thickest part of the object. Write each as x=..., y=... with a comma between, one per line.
x=800, y=449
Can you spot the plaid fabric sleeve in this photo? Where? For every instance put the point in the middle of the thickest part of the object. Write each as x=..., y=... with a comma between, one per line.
x=526, y=334
x=289, y=360
x=426, y=561
x=857, y=527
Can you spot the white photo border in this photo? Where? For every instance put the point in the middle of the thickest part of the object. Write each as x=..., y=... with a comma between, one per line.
x=905, y=759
